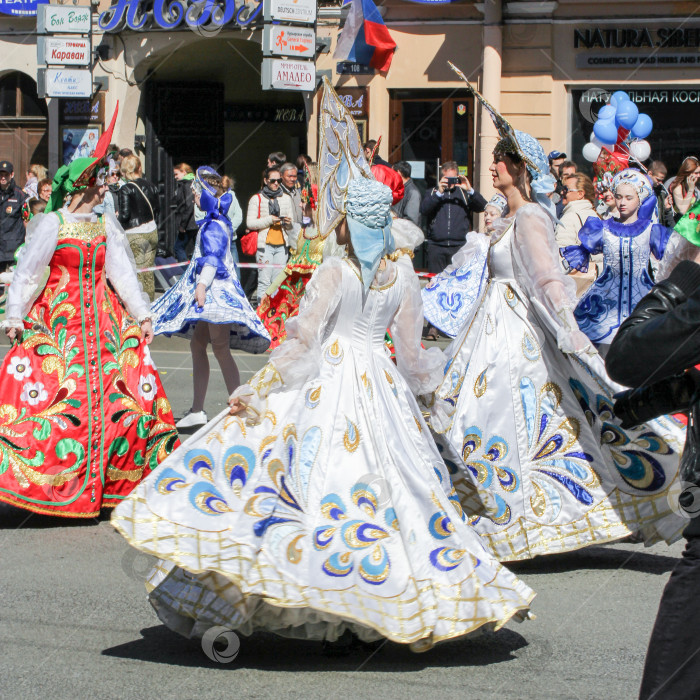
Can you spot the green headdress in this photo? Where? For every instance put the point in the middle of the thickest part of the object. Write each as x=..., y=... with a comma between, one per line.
x=689, y=225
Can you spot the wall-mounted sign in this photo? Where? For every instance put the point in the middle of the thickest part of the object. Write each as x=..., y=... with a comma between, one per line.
x=264, y=113
x=279, y=74
x=63, y=19
x=303, y=11
x=636, y=38
x=294, y=42
x=20, y=8
x=65, y=51
x=82, y=111
x=64, y=82
x=651, y=60
x=349, y=68
x=139, y=15
x=356, y=100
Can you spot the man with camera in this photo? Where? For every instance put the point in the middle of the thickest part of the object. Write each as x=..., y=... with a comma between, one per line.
x=656, y=350
x=449, y=208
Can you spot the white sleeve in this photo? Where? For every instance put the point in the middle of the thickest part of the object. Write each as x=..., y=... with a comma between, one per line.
x=121, y=271
x=422, y=369
x=235, y=214
x=298, y=358
x=539, y=272
x=38, y=249
x=678, y=248
x=206, y=276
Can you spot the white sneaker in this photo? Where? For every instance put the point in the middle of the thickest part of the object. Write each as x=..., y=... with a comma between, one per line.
x=192, y=419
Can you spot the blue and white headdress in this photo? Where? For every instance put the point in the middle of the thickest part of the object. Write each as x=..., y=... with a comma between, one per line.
x=368, y=213
x=498, y=201
x=639, y=181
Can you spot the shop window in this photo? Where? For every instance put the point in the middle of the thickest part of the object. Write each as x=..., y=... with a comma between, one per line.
x=19, y=97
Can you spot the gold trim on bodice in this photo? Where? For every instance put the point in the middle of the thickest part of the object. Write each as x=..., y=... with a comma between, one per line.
x=86, y=231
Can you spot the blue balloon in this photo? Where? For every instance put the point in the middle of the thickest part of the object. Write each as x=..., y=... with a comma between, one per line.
x=642, y=127
x=606, y=131
x=607, y=112
x=618, y=97
x=626, y=115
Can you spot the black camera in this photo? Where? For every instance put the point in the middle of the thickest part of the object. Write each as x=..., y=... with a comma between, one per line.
x=452, y=181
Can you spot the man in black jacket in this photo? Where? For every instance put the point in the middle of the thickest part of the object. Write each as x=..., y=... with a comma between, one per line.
x=449, y=208
x=11, y=226
x=408, y=207
x=656, y=350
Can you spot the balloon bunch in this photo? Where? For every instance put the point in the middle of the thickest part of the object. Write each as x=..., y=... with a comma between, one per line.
x=621, y=130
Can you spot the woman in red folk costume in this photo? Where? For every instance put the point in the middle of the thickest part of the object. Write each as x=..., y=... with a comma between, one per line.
x=83, y=415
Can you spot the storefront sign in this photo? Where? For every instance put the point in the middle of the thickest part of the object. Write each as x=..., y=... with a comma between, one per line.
x=653, y=60
x=64, y=51
x=356, y=100
x=82, y=111
x=20, y=8
x=62, y=19
x=264, y=113
x=64, y=82
x=294, y=42
x=635, y=38
x=278, y=74
x=303, y=11
x=138, y=15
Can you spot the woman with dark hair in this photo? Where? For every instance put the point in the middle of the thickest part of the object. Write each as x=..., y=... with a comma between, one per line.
x=538, y=458
x=683, y=189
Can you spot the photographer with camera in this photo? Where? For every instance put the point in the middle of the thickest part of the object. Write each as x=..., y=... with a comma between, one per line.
x=449, y=208
x=656, y=350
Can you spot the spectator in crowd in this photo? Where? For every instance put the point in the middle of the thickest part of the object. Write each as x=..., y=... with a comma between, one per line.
x=683, y=189
x=235, y=215
x=36, y=206
x=578, y=197
x=556, y=158
x=290, y=186
x=656, y=352
x=43, y=189
x=409, y=206
x=11, y=226
x=184, y=211
x=270, y=213
x=369, y=147
x=658, y=173
x=449, y=208
x=566, y=168
x=276, y=159
x=303, y=160
x=123, y=153
x=606, y=206
x=35, y=173
x=138, y=209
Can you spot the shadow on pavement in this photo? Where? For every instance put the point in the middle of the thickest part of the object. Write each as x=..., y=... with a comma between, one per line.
x=13, y=518
x=607, y=557
x=268, y=652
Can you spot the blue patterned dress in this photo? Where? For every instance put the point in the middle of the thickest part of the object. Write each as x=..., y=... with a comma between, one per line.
x=625, y=278
x=176, y=312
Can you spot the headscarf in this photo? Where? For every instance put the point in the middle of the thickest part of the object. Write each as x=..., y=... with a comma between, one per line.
x=498, y=201
x=389, y=177
x=369, y=221
x=640, y=182
x=77, y=175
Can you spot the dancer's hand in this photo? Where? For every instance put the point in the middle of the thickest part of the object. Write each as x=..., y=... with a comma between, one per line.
x=200, y=295
x=147, y=331
x=13, y=334
x=237, y=406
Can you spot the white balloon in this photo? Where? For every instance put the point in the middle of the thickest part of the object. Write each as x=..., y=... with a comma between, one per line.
x=592, y=137
x=590, y=152
x=597, y=141
x=640, y=149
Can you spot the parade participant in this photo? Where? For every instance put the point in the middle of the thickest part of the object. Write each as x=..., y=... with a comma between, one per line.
x=84, y=415
x=207, y=304
x=272, y=518
x=533, y=425
x=626, y=242
x=450, y=296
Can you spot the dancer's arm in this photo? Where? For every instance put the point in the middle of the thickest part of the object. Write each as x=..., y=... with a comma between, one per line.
x=591, y=237
x=121, y=271
x=38, y=249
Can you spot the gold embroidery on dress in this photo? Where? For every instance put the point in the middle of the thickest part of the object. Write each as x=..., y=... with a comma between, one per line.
x=530, y=347
x=264, y=380
x=129, y=475
x=351, y=439
x=480, y=385
x=86, y=231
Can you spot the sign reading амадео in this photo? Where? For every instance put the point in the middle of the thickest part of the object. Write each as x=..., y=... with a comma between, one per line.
x=279, y=74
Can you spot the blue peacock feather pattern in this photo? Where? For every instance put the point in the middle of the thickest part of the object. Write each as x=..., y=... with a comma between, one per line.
x=358, y=538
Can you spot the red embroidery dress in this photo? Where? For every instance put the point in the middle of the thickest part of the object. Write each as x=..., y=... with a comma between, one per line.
x=83, y=415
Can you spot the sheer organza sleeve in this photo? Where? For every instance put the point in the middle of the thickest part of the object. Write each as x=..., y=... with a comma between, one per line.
x=422, y=369
x=539, y=273
x=40, y=244
x=121, y=271
x=298, y=358
x=677, y=249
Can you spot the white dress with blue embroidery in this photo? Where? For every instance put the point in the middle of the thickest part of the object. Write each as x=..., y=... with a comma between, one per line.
x=625, y=278
x=333, y=510
x=537, y=456
x=448, y=300
x=177, y=313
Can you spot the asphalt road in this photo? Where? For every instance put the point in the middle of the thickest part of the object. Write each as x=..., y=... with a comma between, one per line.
x=75, y=623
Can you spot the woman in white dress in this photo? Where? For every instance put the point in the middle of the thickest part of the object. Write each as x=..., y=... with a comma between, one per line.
x=328, y=511
x=539, y=460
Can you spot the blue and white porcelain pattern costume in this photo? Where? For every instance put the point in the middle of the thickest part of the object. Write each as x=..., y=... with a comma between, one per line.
x=177, y=313
x=333, y=511
x=625, y=278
